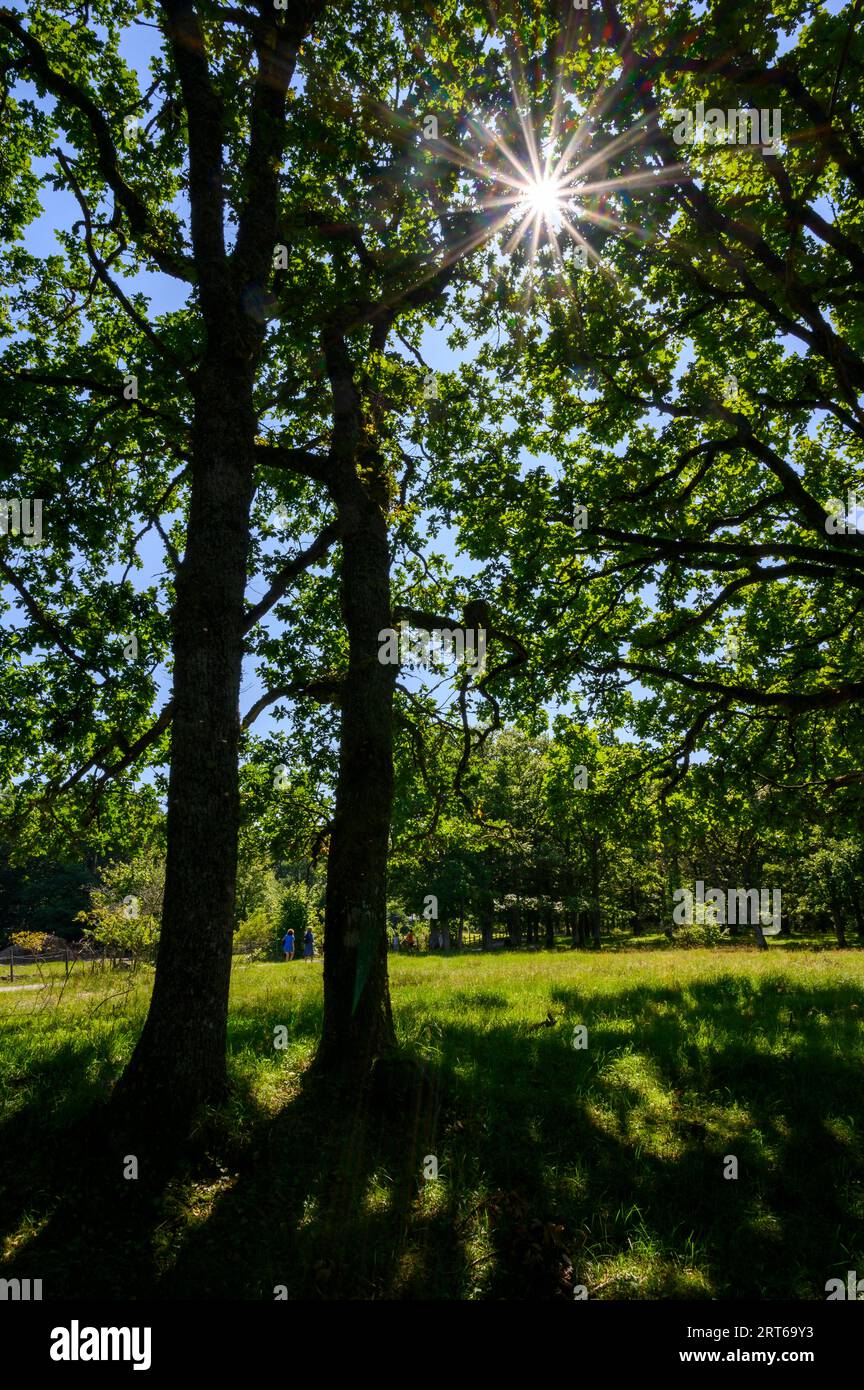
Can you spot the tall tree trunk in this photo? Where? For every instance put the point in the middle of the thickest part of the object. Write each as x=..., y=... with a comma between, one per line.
x=180, y=1057
x=358, y=1023
x=595, y=925
x=839, y=919
x=179, y=1060
x=859, y=916
x=596, y=912
x=550, y=927
x=488, y=922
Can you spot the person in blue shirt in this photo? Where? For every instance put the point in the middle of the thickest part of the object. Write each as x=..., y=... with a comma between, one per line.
x=308, y=945
x=288, y=945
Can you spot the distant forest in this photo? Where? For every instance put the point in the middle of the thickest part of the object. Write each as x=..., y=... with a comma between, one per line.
x=574, y=836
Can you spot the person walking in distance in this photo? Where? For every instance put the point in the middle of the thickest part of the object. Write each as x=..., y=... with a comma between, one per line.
x=308, y=945
x=288, y=944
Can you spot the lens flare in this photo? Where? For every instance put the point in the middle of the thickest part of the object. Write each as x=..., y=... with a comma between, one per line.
x=544, y=199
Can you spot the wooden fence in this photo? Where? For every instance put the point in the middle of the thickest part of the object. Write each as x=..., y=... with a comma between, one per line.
x=13, y=958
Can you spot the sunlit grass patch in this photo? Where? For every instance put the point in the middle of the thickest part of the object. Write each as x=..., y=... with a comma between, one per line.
x=558, y=1164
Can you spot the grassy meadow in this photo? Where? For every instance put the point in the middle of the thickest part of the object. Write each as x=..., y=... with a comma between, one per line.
x=557, y=1165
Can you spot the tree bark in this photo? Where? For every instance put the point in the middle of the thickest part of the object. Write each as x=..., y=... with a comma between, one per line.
x=859, y=916
x=179, y=1060
x=358, y=1022
x=517, y=924
x=596, y=911
x=487, y=922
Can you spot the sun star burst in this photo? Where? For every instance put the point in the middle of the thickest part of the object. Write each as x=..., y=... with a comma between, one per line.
x=543, y=198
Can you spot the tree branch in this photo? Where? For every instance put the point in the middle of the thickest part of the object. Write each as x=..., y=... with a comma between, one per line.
x=46, y=623
x=290, y=570
x=827, y=698
x=204, y=113
x=301, y=461
x=326, y=691
x=276, y=48
x=110, y=283
x=74, y=95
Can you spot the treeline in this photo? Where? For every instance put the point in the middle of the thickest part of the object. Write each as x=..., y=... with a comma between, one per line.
x=563, y=836
x=574, y=834
x=43, y=895
x=116, y=903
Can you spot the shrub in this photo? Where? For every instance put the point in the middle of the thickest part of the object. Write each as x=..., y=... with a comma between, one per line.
x=32, y=941
x=126, y=907
x=258, y=936
x=699, y=934
x=258, y=889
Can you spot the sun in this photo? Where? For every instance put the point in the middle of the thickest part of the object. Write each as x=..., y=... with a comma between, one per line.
x=543, y=198
x=544, y=185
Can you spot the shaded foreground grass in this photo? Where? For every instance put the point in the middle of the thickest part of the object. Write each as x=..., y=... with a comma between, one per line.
x=557, y=1165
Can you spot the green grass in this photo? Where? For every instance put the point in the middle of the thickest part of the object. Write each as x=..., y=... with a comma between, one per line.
x=557, y=1165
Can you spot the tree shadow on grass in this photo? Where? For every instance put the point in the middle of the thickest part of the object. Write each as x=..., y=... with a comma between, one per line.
x=324, y=1198
x=69, y=1214
x=327, y=1202
x=609, y=1158
x=615, y=1157
x=760, y=1070
x=67, y=1217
